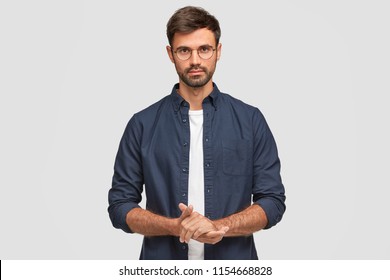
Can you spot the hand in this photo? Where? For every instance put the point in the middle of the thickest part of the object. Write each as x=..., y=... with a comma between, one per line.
x=185, y=211
x=198, y=227
x=213, y=237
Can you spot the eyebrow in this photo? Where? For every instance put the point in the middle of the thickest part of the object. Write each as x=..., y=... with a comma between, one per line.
x=185, y=47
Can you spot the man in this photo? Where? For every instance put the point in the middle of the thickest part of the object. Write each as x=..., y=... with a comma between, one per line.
x=203, y=157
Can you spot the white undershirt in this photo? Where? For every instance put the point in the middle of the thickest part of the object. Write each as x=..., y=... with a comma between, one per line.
x=196, y=177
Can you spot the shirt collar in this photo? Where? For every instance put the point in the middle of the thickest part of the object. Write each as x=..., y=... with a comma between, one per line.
x=177, y=99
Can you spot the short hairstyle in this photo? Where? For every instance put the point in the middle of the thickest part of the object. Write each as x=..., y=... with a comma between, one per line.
x=189, y=19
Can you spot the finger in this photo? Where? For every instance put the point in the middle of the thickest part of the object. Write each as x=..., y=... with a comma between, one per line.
x=197, y=234
x=225, y=229
x=216, y=233
x=202, y=230
x=189, y=225
x=182, y=207
x=186, y=211
x=188, y=235
x=193, y=227
x=182, y=235
x=211, y=237
x=184, y=226
x=183, y=232
x=205, y=225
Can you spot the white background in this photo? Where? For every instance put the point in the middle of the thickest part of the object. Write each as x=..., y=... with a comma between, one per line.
x=72, y=73
x=215, y=270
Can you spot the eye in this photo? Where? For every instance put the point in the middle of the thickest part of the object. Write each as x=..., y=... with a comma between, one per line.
x=205, y=49
x=183, y=51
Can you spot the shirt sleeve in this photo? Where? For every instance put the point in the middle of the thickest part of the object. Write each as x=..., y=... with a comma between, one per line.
x=268, y=190
x=127, y=183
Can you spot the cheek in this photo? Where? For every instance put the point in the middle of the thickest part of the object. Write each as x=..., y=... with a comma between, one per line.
x=211, y=66
x=180, y=67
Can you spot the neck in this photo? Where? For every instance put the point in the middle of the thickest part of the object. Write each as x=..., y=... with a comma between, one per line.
x=195, y=96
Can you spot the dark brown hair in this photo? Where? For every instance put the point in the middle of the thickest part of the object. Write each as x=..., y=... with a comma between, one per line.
x=189, y=19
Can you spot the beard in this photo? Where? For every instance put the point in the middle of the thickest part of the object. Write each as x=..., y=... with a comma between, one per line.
x=196, y=81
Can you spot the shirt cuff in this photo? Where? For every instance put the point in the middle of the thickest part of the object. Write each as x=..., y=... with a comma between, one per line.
x=272, y=211
x=119, y=220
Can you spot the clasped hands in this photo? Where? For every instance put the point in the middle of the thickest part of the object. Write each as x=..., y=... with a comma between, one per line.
x=193, y=225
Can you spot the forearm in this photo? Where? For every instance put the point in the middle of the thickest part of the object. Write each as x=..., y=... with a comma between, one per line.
x=149, y=224
x=246, y=222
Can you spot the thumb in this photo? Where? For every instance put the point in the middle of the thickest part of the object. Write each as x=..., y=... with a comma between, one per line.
x=182, y=207
x=225, y=229
x=186, y=211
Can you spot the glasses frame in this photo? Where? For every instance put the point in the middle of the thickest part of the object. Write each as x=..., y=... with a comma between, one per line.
x=192, y=50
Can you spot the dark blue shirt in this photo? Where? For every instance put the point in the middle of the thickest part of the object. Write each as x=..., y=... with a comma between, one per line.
x=241, y=165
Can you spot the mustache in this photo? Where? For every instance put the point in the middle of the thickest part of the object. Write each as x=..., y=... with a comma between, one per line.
x=187, y=70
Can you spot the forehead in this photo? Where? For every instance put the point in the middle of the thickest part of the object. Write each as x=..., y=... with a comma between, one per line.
x=194, y=39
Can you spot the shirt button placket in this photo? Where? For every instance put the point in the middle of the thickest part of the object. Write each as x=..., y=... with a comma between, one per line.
x=185, y=153
x=208, y=167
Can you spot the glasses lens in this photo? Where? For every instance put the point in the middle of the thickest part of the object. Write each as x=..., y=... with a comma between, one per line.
x=205, y=52
x=183, y=53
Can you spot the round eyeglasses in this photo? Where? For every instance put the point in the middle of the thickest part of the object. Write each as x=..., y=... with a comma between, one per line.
x=204, y=52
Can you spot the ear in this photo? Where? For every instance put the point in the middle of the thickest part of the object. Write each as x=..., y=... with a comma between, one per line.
x=170, y=54
x=219, y=49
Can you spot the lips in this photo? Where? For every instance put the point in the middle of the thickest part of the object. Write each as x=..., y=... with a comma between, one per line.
x=196, y=71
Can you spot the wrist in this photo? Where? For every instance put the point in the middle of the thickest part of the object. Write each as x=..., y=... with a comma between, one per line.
x=174, y=226
x=224, y=222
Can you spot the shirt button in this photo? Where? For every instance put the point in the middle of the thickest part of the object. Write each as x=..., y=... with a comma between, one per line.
x=207, y=139
x=207, y=164
x=208, y=190
x=183, y=194
x=185, y=144
x=184, y=120
x=184, y=170
x=183, y=247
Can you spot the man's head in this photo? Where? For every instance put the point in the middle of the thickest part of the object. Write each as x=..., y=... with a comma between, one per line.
x=193, y=35
x=189, y=19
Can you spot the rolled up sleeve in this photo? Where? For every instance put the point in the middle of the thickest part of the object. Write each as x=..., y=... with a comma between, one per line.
x=268, y=190
x=127, y=183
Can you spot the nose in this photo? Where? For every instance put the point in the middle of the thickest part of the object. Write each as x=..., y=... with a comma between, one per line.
x=195, y=59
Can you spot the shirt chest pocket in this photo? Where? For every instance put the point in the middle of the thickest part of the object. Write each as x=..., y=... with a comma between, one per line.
x=237, y=157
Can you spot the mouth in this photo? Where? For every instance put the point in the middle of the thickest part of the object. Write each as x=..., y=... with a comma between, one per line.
x=195, y=72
